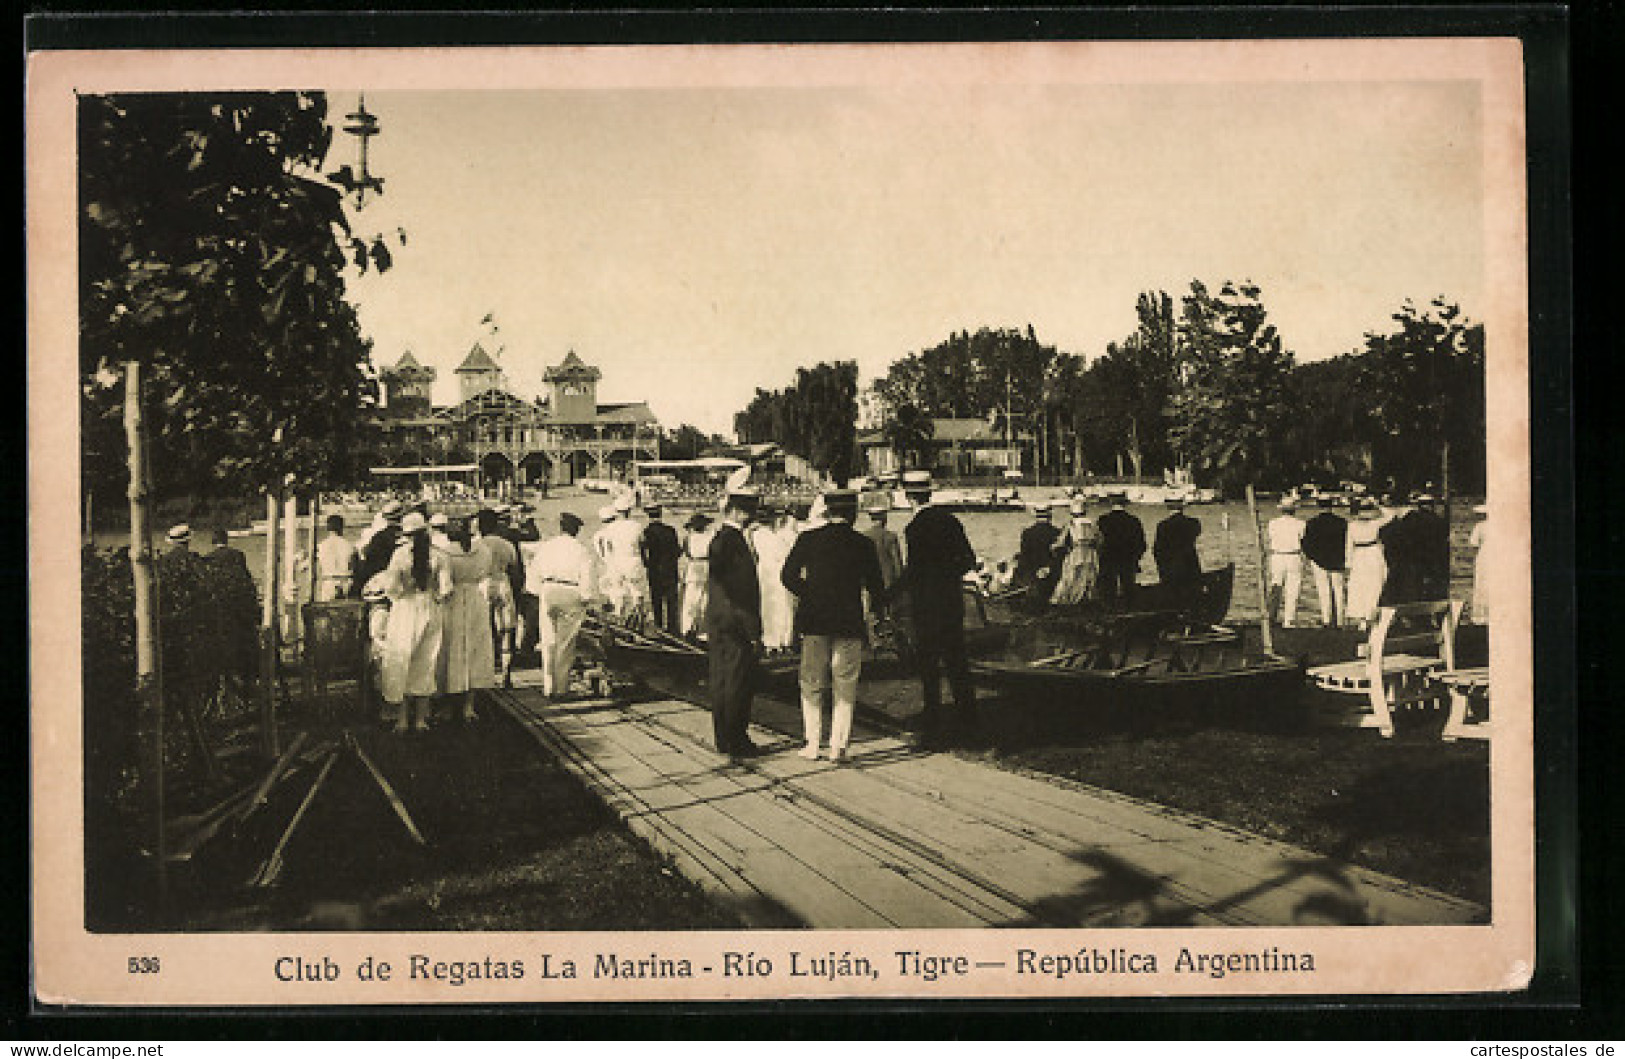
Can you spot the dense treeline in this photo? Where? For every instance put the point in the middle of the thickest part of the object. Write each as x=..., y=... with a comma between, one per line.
x=1208, y=386
x=814, y=417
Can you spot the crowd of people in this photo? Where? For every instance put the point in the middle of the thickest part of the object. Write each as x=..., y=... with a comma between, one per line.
x=1383, y=552
x=1386, y=551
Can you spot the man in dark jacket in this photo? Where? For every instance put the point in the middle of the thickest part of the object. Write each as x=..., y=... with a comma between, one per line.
x=1403, y=552
x=828, y=570
x=1179, y=568
x=733, y=627
x=1122, y=543
x=1431, y=536
x=1325, y=543
x=939, y=556
x=1036, y=565
x=660, y=549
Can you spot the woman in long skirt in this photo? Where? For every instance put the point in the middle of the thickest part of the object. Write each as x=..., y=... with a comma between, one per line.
x=1483, y=567
x=778, y=605
x=465, y=663
x=1080, y=548
x=696, y=573
x=416, y=580
x=1367, y=567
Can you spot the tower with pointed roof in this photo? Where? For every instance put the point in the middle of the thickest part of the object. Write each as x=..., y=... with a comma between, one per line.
x=572, y=390
x=479, y=373
x=408, y=386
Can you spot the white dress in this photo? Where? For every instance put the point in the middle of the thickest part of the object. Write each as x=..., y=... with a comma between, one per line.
x=466, y=658
x=412, y=641
x=1483, y=572
x=778, y=605
x=1367, y=568
x=696, y=579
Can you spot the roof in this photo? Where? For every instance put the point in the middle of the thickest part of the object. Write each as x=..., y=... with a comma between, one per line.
x=950, y=431
x=478, y=360
x=407, y=361
x=572, y=366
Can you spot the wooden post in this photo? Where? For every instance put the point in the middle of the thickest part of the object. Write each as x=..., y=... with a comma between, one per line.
x=308, y=670
x=1263, y=575
x=290, y=569
x=149, y=689
x=270, y=647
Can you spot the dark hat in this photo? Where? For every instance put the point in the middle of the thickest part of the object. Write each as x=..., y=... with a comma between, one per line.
x=569, y=521
x=841, y=501
x=698, y=520
x=1326, y=500
x=1118, y=496
x=394, y=510
x=744, y=498
x=653, y=510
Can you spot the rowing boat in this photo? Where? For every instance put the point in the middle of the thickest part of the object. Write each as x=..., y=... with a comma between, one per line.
x=1144, y=670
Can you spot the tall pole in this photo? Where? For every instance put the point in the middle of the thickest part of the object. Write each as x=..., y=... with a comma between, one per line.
x=149, y=690
x=269, y=630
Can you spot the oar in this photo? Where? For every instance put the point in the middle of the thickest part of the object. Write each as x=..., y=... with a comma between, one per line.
x=273, y=864
x=389, y=792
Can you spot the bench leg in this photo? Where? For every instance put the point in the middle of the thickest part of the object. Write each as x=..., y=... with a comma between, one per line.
x=1456, y=726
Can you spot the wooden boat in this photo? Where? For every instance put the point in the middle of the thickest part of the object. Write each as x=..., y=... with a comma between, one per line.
x=1146, y=670
x=672, y=663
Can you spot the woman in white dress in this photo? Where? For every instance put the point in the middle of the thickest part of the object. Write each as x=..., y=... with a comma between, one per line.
x=696, y=573
x=416, y=580
x=1483, y=568
x=778, y=605
x=466, y=655
x=1079, y=547
x=1367, y=567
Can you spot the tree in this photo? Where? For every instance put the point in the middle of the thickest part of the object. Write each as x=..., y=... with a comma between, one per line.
x=908, y=433
x=212, y=251
x=1425, y=384
x=687, y=442
x=1231, y=412
x=814, y=418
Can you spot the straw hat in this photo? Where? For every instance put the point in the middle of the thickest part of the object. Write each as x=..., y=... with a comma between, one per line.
x=608, y=513
x=179, y=533
x=414, y=522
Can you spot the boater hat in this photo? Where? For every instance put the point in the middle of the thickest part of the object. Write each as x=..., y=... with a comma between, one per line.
x=439, y=520
x=608, y=513
x=1288, y=502
x=394, y=510
x=414, y=522
x=179, y=532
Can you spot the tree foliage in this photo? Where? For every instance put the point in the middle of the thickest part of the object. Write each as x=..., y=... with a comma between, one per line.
x=212, y=251
x=815, y=417
x=1424, y=381
x=1231, y=411
x=908, y=432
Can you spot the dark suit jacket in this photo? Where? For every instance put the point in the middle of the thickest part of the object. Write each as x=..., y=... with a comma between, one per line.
x=828, y=570
x=939, y=556
x=1122, y=540
x=1325, y=540
x=1036, y=550
x=1175, y=549
x=660, y=549
x=733, y=605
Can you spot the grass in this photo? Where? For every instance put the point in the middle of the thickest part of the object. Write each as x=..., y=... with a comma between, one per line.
x=514, y=843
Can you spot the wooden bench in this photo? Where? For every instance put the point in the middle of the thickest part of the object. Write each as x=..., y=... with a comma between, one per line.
x=1466, y=687
x=1409, y=647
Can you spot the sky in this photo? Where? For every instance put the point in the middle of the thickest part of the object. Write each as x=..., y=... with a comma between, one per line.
x=696, y=244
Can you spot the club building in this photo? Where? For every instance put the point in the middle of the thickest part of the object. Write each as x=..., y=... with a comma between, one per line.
x=558, y=438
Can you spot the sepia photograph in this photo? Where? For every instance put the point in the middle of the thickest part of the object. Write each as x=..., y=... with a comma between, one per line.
x=722, y=522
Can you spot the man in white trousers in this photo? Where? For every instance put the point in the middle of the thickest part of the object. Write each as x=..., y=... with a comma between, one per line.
x=828, y=571
x=1285, y=536
x=561, y=576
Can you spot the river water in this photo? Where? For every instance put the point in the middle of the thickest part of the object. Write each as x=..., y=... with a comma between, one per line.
x=1227, y=536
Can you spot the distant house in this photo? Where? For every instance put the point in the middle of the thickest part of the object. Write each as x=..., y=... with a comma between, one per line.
x=561, y=436
x=959, y=448
x=769, y=462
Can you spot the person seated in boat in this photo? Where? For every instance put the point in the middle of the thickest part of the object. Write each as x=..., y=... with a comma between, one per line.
x=1035, y=556
x=1173, y=548
x=1122, y=543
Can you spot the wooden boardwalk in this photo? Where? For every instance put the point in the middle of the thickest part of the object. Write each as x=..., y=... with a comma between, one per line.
x=901, y=838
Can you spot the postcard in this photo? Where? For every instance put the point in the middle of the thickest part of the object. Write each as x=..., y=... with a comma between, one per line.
x=738, y=522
